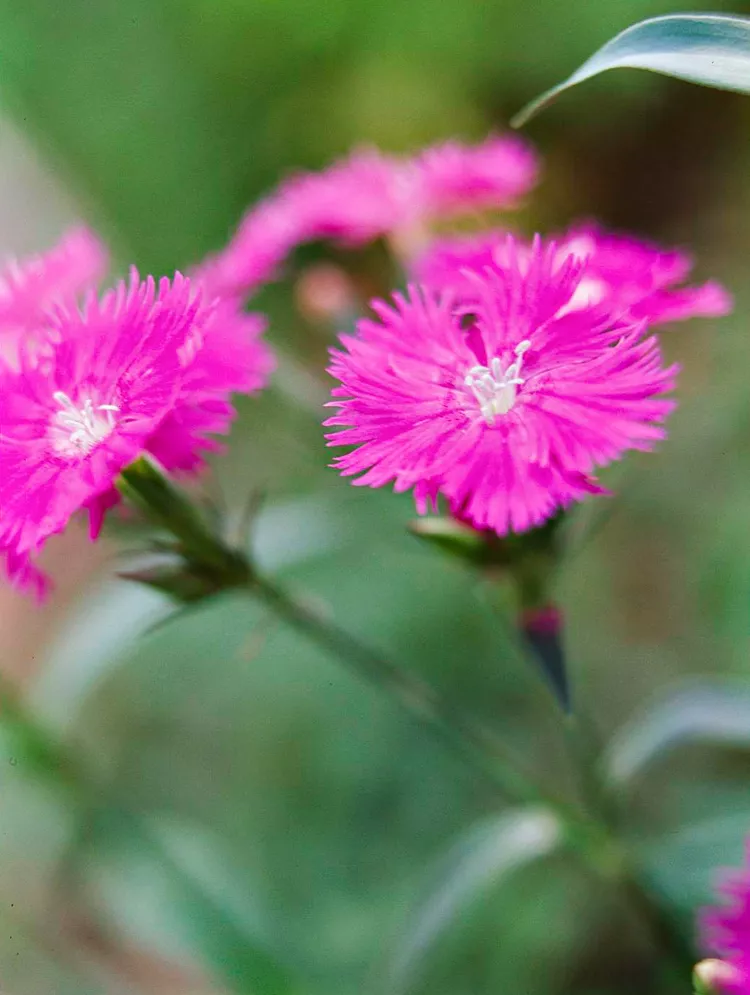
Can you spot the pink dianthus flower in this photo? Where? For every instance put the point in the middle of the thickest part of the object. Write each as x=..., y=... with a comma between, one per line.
x=505, y=407
x=725, y=928
x=228, y=356
x=353, y=202
x=79, y=411
x=148, y=369
x=368, y=195
x=621, y=273
x=30, y=286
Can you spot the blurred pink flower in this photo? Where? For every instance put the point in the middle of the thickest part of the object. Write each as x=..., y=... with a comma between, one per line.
x=642, y=278
x=505, y=407
x=455, y=178
x=725, y=928
x=29, y=287
x=624, y=274
x=365, y=196
x=353, y=201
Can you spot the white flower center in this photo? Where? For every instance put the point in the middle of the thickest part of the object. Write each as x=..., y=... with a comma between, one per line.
x=495, y=388
x=78, y=428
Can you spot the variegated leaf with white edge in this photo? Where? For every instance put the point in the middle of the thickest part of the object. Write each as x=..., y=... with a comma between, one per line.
x=711, y=713
x=482, y=859
x=710, y=49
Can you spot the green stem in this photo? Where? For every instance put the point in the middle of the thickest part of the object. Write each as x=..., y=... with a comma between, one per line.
x=167, y=507
x=464, y=734
x=592, y=838
x=467, y=737
x=470, y=739
x=583, y=750
x=610, y=857
x=666, y=935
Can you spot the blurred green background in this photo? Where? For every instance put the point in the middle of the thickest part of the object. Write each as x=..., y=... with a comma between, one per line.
x=260, y=821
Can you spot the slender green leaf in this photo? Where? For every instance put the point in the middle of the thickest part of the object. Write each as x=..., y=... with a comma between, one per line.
x=712, y=713
x=482, y=859
x=228, y=943
x=710, y=49
x=163, y=883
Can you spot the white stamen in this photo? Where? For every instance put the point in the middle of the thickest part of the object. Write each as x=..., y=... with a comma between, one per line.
x=79, y=428
x=493, y=387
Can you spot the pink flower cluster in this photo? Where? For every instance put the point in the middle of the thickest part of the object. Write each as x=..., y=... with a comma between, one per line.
x=500, y=382
x=369, y=195
x=725, y=929
x=88, y=385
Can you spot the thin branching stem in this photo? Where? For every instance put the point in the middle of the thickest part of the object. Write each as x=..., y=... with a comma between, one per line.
x=593, y=835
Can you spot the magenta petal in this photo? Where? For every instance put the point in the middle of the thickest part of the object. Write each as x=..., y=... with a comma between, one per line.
x=725, y=928
x=620, y=274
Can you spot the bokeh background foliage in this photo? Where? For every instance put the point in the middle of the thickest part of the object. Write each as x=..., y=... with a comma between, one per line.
x=219, y=806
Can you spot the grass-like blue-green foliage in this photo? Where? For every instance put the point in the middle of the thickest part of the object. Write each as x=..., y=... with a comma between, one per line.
x=711, y=49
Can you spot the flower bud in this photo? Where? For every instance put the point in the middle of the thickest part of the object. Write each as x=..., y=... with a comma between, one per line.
x=717, y=977
x=324, y=294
